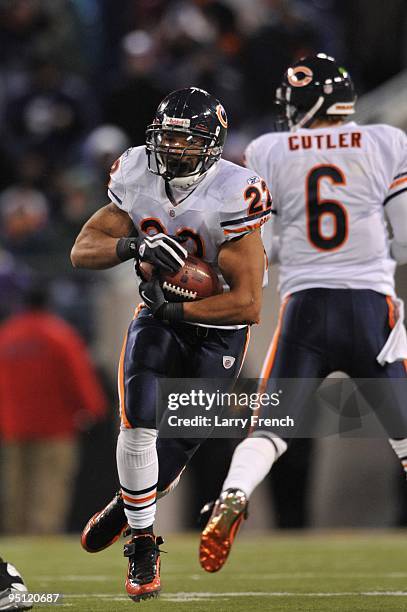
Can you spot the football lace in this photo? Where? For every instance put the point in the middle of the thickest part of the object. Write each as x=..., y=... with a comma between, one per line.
x=186, y=293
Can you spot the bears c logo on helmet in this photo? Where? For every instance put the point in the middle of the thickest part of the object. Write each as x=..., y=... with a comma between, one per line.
x=300, y=76
x=221, y=115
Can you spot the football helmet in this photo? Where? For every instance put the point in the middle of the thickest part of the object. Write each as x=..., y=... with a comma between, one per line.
x=187, y=136
x=315, y=87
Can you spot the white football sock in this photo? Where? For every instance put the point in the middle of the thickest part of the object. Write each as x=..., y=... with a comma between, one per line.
x=137, y=466
x=252, y=461
x=400, y=448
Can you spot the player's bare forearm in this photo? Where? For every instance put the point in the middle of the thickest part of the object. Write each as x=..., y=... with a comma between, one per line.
x=242, y=265
x=95, y=246
x=227, y=309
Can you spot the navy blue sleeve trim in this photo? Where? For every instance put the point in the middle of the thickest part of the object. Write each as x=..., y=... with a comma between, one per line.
x=248, y=218
x=115, y=196
x=393, y=195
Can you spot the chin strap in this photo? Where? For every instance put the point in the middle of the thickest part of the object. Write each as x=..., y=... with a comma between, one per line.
x=169, y=193
x=310, y=114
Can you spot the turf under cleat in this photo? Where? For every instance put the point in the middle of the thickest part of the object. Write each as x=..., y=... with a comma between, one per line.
x=12, y=588
x=105, y=527
x=228, y=513
x=143, y=574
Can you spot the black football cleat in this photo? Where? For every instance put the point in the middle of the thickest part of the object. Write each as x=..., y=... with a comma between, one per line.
x=105, y=527
x=12, y=588
x=143, y=573
x=229, y=511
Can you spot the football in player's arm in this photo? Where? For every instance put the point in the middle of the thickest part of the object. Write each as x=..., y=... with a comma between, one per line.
x=173, y=197
x=240, y=261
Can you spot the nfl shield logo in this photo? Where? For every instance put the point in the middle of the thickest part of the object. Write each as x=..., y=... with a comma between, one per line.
x=228, y=361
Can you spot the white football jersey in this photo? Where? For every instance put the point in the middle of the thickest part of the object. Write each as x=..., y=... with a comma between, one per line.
x=330, y=187
x=228, y=202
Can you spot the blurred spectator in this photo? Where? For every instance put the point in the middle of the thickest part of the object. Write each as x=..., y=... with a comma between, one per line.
x=82, y=187
x=29, y=27
x=200, y=44
x=102, y=147
x=52, y=113
x=48, y=392
x=25, y=230
x=132, y=100
x=15, y=279
x=286, y=35
x=42, y=243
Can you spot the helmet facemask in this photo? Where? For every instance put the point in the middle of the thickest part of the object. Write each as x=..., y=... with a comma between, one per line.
x=296, y=118
x=181, y=157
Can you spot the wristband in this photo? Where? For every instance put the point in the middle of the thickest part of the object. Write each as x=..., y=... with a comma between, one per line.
x=126, y=248
x=170, y=311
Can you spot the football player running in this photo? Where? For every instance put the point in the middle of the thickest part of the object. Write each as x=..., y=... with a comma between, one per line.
x=332, y=184
x=169, y=197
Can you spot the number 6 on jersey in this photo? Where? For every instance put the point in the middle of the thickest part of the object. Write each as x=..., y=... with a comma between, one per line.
x=317, y=208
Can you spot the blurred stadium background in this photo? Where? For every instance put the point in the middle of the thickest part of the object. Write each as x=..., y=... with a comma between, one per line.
x=79, y=81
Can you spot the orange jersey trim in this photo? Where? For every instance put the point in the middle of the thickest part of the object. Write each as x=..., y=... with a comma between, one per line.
x=399, y=181
x=247, y=228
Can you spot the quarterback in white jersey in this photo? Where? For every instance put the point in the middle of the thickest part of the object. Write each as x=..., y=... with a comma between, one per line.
x=172, y=196
x=332, y=183
x=331, y=188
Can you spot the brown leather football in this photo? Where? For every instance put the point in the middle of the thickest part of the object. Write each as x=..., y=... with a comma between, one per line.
x=194, y=281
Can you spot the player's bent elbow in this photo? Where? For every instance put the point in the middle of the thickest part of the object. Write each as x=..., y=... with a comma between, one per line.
x=251, y=308
x=254, y=316
x=75, y=257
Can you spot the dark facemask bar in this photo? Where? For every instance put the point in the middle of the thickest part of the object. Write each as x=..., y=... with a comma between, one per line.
x=170, y=165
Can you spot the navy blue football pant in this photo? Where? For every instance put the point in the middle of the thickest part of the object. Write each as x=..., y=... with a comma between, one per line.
x=321, y=331
x=155, y=349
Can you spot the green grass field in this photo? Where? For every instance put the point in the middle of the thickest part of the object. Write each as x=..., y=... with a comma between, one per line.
x=297, y=572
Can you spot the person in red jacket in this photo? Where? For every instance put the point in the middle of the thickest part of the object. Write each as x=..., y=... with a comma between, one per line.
x=48, y=390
